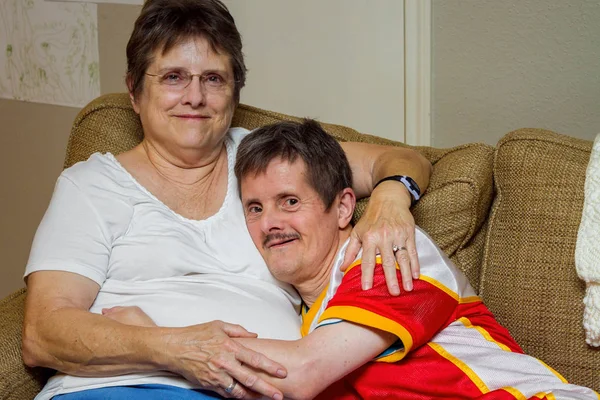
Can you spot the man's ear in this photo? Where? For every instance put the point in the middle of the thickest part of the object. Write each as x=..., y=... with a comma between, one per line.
x=347, y=202
x=129, y=84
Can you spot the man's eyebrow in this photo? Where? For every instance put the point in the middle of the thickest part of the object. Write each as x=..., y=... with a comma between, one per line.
x=283, y=195
x=250, y=201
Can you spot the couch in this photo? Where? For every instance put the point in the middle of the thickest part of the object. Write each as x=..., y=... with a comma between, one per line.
x=506, y=215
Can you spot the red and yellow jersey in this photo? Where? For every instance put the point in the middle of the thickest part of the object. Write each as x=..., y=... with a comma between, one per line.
x=449, y=344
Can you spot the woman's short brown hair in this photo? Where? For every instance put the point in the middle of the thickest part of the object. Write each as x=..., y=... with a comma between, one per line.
x=162, y=24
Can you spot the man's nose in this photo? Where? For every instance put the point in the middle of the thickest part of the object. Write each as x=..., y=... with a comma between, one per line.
x=272, y=220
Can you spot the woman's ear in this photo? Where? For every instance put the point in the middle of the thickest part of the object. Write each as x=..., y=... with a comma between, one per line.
x=129, y=84
x=347, y=202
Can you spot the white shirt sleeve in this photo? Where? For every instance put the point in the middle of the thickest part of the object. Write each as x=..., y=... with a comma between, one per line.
x=72, y=236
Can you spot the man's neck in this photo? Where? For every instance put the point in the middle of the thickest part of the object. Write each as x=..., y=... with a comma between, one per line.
x=312, y=288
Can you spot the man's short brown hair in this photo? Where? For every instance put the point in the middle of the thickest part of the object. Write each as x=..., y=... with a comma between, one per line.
x=328, y=170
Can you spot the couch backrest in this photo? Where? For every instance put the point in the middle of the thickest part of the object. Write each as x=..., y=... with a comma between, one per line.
x=528, y=277
x=453, y=210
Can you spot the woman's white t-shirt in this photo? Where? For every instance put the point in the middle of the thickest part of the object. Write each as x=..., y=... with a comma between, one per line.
x=102, y=224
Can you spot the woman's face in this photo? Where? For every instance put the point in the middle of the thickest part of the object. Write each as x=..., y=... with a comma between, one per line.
x=187, y=123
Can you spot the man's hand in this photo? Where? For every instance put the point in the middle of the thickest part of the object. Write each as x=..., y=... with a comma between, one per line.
x=206, y=355
x=387, y=222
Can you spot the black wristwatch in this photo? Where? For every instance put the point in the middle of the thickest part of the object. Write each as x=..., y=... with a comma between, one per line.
x=411, y=185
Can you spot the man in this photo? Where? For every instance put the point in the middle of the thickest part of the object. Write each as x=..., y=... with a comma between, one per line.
x=438, y=341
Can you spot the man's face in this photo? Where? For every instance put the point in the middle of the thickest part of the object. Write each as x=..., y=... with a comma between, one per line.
x=288, y=222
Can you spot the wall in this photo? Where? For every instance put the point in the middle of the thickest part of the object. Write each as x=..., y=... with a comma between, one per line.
x=502, y=65
x=33, y=139
x=340, y=61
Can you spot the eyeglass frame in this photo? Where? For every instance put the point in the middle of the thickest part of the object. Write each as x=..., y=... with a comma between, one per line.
x=191, y=78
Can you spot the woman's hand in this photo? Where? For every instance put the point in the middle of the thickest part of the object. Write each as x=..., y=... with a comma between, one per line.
x=386, y=222
x=206, y=355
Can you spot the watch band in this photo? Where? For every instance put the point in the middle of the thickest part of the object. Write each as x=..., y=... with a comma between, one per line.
x=411, y=185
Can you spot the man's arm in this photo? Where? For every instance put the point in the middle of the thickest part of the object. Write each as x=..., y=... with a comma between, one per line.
x=60, y=333
x=372, y=322
x=323, y=357
x=313, y=362
x=387, y=221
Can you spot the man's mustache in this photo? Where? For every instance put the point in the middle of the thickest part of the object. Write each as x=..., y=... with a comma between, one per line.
x=279, y=237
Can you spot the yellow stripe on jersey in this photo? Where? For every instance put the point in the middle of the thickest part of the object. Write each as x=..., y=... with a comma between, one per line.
x=440, y=286
x=378, y=260
x=467, y=300
x=309, y=316
x=368, y=318
x=465, y=321
x=358, y=262
x=461, y=365
x=449, y=291
x=559, y=376
x=518, y=395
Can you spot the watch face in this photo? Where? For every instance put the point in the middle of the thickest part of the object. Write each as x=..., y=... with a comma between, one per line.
x=413, y=188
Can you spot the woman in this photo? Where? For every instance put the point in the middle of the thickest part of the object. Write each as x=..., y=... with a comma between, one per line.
x=161, y=227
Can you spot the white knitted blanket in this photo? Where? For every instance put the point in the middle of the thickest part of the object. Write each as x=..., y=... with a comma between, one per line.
x=587, y=250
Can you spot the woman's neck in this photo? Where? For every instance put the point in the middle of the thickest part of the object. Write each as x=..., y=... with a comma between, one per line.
x=183, y=172
x=193, y=190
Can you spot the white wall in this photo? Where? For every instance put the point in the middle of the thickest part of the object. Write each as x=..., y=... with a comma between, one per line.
x=499, y=65
x=340, y=61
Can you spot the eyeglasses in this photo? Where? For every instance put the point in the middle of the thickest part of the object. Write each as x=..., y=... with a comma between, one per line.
x=178, y=81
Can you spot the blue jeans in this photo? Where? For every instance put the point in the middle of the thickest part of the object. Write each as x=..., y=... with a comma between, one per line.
x=146, y=392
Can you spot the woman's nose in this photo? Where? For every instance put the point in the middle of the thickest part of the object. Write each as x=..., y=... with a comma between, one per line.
x=194, y=93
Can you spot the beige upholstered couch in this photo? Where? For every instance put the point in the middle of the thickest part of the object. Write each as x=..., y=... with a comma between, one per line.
x=507, y=215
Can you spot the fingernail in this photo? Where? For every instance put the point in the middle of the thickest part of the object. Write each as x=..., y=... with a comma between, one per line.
x=415, y=275
x=395, y=290
x=277, y=396
x=366, y=286
x=408, y=286
x=281, y=373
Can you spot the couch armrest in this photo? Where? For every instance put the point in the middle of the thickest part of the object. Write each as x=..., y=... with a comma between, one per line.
x=16, y=380
x=528, y=277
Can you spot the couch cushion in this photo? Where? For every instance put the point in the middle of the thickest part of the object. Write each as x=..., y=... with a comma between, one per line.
x=456, y=205
x=17, y=381
x=107, y=124
x=452, y=211
x=528, y=276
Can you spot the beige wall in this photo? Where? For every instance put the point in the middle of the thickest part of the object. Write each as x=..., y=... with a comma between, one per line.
x=499, y=65
x=33, y=139
x=340, y=61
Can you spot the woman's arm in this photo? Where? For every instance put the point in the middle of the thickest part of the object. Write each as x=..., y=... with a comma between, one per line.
x=387, y=221
x=326, y=355
x=60, y=333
